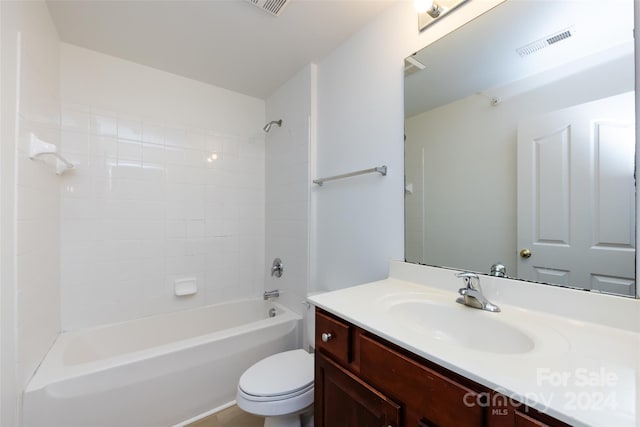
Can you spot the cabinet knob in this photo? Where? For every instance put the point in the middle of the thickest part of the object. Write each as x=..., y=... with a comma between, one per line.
x=326, y=336
x=525, y=253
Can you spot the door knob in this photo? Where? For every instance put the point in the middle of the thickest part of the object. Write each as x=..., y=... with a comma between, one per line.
x=525, y=253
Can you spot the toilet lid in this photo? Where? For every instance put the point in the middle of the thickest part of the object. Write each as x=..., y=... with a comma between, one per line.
x=280, y=374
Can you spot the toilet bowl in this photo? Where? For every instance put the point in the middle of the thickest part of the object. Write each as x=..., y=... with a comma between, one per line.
x=279, y=388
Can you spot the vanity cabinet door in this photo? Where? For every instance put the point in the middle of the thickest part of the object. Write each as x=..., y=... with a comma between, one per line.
x=523, y=420
x=505, y=412
x=428, y=397
x=344, y=400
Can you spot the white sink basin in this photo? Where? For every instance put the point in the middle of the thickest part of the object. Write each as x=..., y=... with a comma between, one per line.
x=462, y=326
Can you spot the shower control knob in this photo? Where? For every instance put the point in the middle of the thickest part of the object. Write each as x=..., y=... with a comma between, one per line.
x=326, y=336
x=277, y=268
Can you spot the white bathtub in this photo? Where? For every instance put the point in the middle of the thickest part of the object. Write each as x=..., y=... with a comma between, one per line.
x=157, y=371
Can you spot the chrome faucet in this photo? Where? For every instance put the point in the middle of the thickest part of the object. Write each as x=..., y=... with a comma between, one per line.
x=271, y=294
x=472, y=294
x=499, y=270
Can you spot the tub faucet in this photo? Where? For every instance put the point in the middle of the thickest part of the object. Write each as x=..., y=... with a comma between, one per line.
x=271, y=294
x=472, y=294
x=277, y=268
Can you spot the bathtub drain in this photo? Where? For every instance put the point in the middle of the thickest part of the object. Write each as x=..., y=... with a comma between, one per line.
x=272, y=312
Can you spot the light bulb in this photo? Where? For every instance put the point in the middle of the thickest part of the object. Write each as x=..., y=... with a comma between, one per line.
x=422, y=6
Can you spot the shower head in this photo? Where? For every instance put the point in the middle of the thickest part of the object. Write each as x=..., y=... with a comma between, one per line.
x=267, y=127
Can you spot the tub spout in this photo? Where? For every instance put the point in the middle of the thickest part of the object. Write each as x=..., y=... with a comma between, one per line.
x=271, y=294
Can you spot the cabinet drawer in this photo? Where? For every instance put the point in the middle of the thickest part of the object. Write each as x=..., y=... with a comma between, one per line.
x=333, y=337
x=429, y=397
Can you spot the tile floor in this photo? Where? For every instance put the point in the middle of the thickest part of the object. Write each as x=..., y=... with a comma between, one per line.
x=230, y=417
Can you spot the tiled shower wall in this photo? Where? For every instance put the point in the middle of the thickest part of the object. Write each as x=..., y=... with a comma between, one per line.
x=287, y=190
x=29, y=206
x=155, y=200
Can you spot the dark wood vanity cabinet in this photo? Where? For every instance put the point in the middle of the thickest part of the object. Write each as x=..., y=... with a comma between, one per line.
x=510, y=414
x=348, y=401
x=362, y=380
x=428, y=397
x=345, y=400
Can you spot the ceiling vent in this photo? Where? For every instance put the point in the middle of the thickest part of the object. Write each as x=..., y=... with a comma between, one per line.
x=546, y=42
x=274, y=7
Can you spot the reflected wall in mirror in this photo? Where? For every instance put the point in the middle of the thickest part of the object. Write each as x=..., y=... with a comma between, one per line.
x=520, y=146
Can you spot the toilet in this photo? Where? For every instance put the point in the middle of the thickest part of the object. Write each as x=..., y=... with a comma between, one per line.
x=279, y=388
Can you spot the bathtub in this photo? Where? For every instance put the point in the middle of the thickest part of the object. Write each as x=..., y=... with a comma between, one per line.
x=156, y=371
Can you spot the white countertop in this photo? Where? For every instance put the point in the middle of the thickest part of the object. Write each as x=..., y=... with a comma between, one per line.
x=581, y=372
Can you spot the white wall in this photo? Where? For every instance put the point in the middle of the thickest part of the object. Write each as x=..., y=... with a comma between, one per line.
x=358, y=225
x=478, y=202
x=636, y=23
x=287, y=187
x=145, y=207
x=29, y=292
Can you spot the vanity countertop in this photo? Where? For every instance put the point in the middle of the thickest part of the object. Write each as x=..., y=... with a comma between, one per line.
x=582, y=372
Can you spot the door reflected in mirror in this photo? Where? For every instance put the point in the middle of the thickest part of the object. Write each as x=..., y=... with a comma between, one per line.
x=520, y=146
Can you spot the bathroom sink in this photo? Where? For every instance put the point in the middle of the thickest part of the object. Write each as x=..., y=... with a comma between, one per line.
x=461, y=326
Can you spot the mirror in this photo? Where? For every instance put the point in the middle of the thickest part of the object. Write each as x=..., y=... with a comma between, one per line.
x=520, y=146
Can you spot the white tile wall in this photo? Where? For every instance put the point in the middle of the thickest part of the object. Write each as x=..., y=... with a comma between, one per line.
x=152, y=202
x=30, y=204
x=160, y=193
x=287, y=189
x=37, y=214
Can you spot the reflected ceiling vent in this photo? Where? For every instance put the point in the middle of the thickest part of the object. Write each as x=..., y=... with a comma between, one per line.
x=411, y=65
x=274, y=7
x=546, y=42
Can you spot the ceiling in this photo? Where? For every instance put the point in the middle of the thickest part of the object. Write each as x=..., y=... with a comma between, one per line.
x=482, y=57
x=227, y=43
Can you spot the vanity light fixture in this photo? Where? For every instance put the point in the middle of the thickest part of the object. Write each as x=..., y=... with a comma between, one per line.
x=430, y=11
